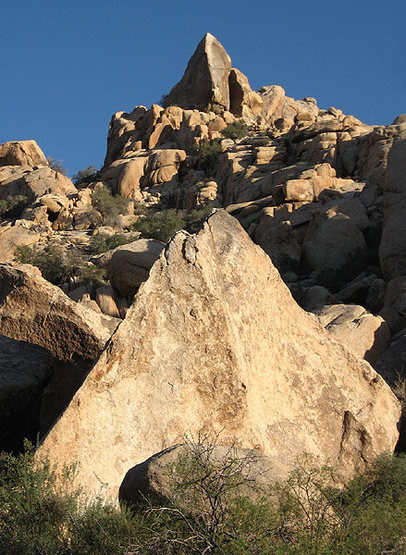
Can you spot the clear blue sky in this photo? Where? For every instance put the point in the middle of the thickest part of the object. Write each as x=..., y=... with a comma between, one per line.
x=67, y=66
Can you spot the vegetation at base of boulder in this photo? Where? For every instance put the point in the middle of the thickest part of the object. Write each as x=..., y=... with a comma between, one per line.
x=163, y=224
x=56, y=165
x=110, y=206
x=102, y=242
x=206, y=155
x=43, y=514
x=206, y=511
x=236, y=130
x=12, y=206
x=85, y=176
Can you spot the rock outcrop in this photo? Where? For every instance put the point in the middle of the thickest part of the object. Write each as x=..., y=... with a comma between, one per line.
x=393, y=243
x=22, y=153
x=34, y=310
x=214, y=342
x=204, y=86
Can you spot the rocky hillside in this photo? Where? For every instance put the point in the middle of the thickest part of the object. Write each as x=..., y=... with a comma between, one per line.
x=209, y=337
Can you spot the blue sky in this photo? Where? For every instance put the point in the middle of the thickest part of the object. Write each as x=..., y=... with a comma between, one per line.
x=67, y=66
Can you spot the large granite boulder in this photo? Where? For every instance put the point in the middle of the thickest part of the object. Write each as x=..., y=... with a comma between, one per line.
x=33, y=183
x=34, y=310
x=214, y=342
x=128, y=265
x=22, y=153
x=204, y=84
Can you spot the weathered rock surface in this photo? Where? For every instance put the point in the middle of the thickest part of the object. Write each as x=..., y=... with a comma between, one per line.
x=204, y=84
x=22, y=153
x=34, y=310
x=24, y=371
x=13, y=236
x=33, y=183
x=128, y=266
x=365, y=334
x=215, y=342
x=156, y=477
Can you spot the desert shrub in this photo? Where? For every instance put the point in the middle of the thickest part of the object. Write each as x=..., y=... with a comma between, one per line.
x=90, y=275
x=34, y=507
x=206, y=511
x=206, y=156
x=87, y=175
x=12, y=206
x=236, y=130
x=110, y=206
x=163, y=224
x=102, y=242
x=56, y=165
x=42, y=512
x=56, y=265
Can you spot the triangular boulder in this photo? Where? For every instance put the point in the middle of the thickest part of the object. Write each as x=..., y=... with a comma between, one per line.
x=204, y=85
x=214, y=342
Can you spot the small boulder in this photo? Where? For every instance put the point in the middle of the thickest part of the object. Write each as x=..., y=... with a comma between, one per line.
x=156, y=478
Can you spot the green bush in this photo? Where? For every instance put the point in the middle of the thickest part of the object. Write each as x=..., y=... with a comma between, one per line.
x=163, y=224
x=91, y=275
x=102, y=242
x=56, y=265
x=236, y=130
x=12, y=206
x=206, y=156
x=41, y=512
x=110, y=206
x=205, y=511
x=87, y=175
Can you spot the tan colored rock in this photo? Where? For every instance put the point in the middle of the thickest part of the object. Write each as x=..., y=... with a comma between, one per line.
x=34, y=183
x=128, y=265
x=163, y=165
x=365, y=334
x=106, y=302
x=214, y=342
x=34, y=310
x=130, y=176
x=299, y=190
x=335, y=247
x=15, y=236
x=204, y=84
x=242, y=95
x=22, y=153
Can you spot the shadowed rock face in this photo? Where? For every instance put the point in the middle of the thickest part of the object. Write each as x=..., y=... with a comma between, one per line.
x=24, y=371
x=34, y=310
x=214, y=342
x=204, y=84
x=393, y=242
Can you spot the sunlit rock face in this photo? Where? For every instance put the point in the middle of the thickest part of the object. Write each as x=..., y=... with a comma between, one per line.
x=214, y=342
